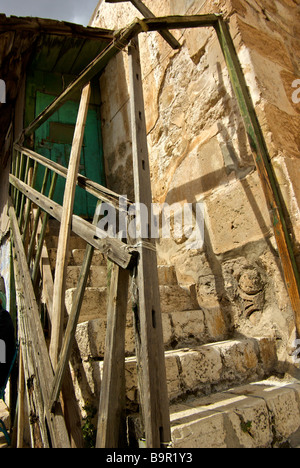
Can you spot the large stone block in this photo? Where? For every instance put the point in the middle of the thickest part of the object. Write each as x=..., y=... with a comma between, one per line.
x=282, y=131
x=200, y=366
x=259, y=415
x=239, y=358
x=94, y=303
x=265, y=44
x=175, y=298
x=237, y=215
x=188, y=326
x=250, y=424
x=207, y=432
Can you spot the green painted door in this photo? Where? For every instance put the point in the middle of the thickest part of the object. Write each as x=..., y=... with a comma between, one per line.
x=54, y=140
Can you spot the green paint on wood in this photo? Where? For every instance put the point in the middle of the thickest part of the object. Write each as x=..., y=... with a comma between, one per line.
x=54, y=138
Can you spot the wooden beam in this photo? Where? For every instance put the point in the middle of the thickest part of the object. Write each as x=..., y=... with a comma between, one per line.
x=70, y=405
x=28, y=205
x=47, y=285
x=118, y=252
x=21, y=396
x=171, y=40
x=53, y=27
x=37, y=214
x=38, y=430
x=56, y=424
x=264, y=168
x=42, y=234
x=98, y=190
x=73, y=321
x=111, y=431
x=65, y=228
x=181, y=22
x=149, y=335
x=23, y=199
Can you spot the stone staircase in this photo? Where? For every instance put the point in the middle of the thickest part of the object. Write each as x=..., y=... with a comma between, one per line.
x=221, y=389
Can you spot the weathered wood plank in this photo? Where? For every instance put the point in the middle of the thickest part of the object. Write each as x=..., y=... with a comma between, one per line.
x=56, y=424
x=149, y=336
x=111, y=431
x=73, y=320
x=98, y=190
x=42, y=233
x=28, y=205
x=21, y=396
x=65, y=228
x=48, y=284
x=37, y=214
x=23, y=198
x=118, y=252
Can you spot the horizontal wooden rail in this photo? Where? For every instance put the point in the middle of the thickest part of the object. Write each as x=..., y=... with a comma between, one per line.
x=98, y=190
x=122, y=254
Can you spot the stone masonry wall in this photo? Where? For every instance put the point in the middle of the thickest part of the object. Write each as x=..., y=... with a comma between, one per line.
x=199, y=151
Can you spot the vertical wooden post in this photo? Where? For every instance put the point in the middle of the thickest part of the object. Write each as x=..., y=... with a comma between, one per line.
x=73, y=318
x=111, y=431
x=65, y=228
x=21, y=395
x=149, y=335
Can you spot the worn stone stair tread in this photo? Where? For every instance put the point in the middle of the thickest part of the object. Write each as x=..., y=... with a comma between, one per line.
x=211, y=367
x=261, y=414
x=181, y=329
x=94, y=302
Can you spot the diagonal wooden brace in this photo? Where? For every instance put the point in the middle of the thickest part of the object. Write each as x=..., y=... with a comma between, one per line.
x=171, y=40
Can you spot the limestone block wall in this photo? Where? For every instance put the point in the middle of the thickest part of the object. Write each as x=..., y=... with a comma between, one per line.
x=199, y=151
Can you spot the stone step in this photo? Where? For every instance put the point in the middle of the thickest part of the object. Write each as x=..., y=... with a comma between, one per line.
x=94, y=303
x=172, y=298
x=180, y=329
x=166, y=273
x=199, y=371
x=264, y=414
x=210, y=368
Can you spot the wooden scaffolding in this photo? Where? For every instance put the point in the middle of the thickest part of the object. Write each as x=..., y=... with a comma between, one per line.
x=45, y=369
